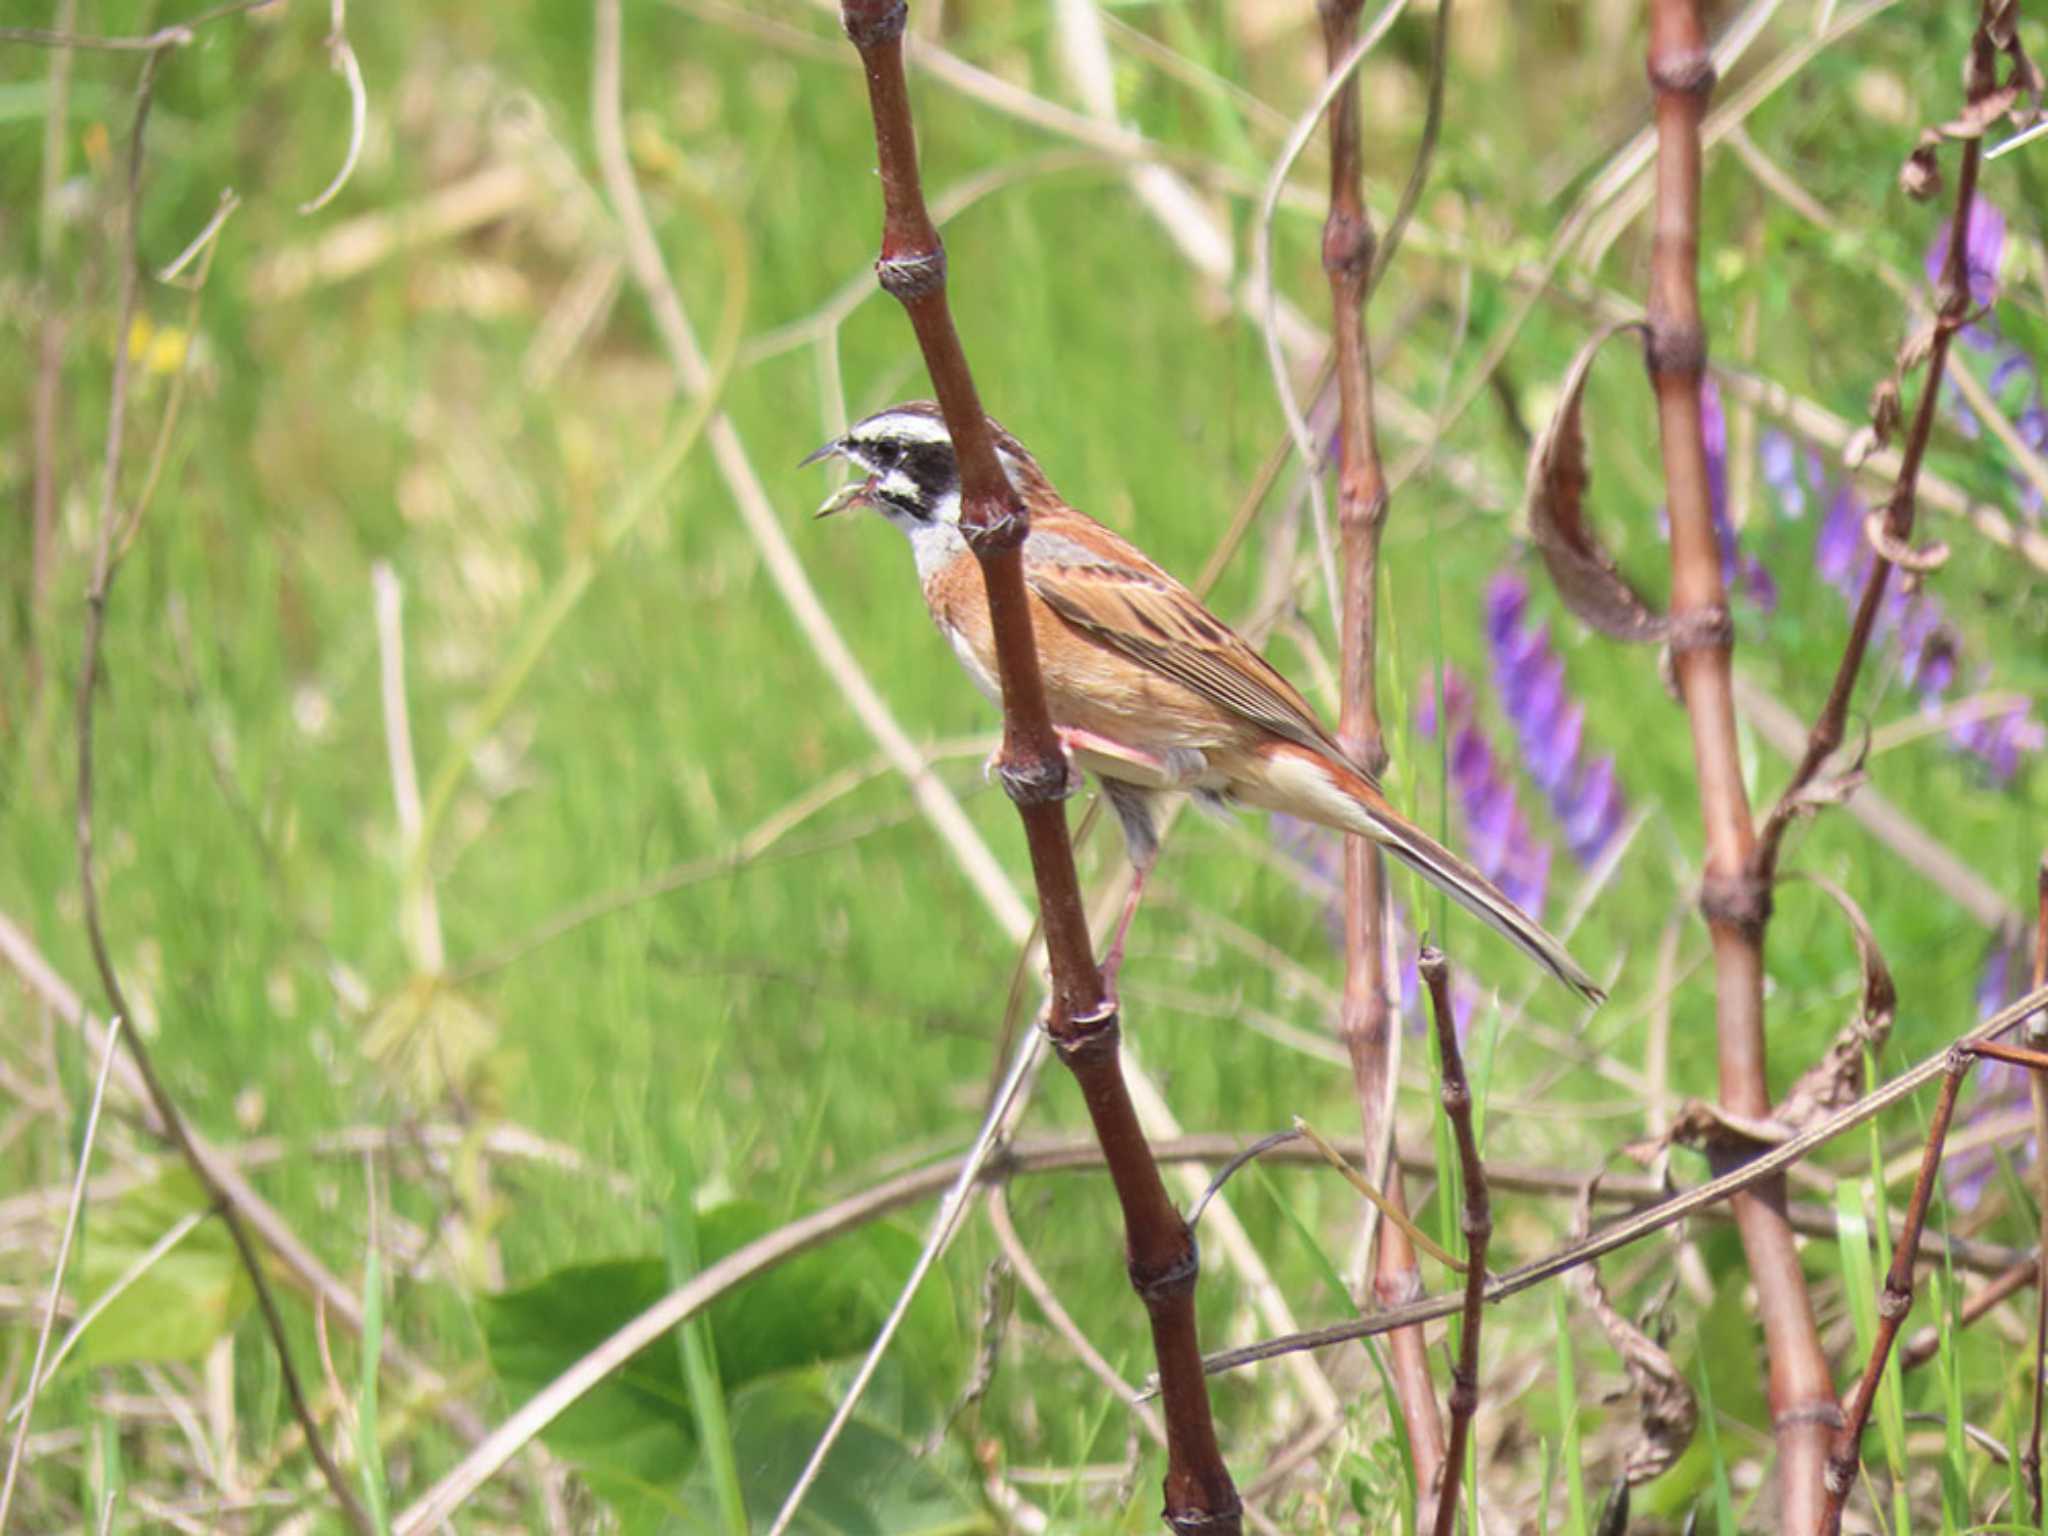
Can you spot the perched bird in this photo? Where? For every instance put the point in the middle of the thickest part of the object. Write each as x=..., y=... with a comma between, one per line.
x=1149, y=690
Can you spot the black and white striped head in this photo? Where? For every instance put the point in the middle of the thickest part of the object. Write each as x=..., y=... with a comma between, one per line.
x=904, y=457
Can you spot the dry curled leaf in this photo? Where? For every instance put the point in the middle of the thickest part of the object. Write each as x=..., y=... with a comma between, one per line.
x=1920, y=176
x=1885, y=410
x=1668, y=1412
x=1979, y=116
x=2002, y=29
x=1585, y=575
x=1931, y=557
x=1722, y=1136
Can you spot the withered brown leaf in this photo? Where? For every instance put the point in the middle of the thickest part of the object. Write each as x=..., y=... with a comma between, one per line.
x=1585, y=575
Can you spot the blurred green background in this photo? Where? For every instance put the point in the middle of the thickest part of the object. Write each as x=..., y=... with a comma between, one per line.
x=450, y=371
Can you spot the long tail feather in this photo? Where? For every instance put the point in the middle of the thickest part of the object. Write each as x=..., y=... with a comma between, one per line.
x=1311, y=785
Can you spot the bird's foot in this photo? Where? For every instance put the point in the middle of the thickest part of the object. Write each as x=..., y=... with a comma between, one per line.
x=993, y=767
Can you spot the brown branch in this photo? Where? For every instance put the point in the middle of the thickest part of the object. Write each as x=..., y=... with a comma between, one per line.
x=1894, y=1301
x=103, y=569
x=1366, y=1020
x=1478, y=1226
x=2037, y=1090
x=1926, y=1344
x=1082, y=1017
x=1736, y=904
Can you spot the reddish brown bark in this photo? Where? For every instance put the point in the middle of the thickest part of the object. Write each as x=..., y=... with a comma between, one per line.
x=1366, y=1019
x=1736, y=904
x=1082, y=1020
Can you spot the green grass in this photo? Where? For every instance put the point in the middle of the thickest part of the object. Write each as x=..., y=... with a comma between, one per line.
x=789, y=1032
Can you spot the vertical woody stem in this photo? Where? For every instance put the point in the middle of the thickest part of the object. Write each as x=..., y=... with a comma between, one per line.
x=1367, y=1019
x=1082, y=1021
x=1735, y=904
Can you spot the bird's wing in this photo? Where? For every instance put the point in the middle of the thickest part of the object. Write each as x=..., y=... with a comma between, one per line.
x=1109, y=591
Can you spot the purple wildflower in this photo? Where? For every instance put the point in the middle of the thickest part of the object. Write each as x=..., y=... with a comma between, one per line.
x=1498, y=839
x=1549, y=726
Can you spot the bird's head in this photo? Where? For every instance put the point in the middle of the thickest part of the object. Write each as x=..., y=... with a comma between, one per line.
x=905, y=468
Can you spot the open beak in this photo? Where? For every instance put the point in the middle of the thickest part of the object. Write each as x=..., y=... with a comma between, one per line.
x=851, y=494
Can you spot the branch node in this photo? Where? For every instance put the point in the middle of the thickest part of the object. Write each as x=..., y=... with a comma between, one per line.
x=1894, y=1302
x=1193, y=1522
x=910, y=276
x=1701, y=629
x=867, y=26
x=1034, y=779
x=1683, y=70
x=1464, y=1395
x=1085, y=1040
x=1176, y=1280
x=1740, y=900
x=1673, y=346
x=1349, y=243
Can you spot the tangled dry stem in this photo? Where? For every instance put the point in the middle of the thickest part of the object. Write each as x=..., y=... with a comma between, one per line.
x=105, y=564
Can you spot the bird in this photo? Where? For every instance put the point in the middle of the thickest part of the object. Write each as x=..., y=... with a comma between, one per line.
x=1148, y=690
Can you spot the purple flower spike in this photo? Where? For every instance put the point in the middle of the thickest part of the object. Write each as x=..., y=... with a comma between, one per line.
x=1550, y=726
x=1498, y=838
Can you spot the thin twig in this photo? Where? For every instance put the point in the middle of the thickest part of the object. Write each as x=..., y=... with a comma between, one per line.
x=26, y=1409
x=2037, y=1090
x=1952, y=309
x=1477, y=1221
x=103, y=569
x=1926, y=1344
x=1894, y=1301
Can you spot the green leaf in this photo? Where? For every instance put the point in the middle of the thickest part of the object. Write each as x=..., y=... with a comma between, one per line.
x=632, y=1435
x=824, y=1305
x=635, y=1436
x=873, y=1482
x=178, y=1307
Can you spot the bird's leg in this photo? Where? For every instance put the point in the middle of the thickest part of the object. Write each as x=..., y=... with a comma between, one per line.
x=1133, y=806
x=1113, y=957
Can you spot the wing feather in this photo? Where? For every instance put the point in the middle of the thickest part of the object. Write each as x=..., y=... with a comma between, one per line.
x=1127, y=603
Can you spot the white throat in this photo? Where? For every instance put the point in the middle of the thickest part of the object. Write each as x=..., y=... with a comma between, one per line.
x=935, y=542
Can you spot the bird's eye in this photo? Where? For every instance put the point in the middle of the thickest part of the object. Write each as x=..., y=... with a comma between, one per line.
x=888, y=455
